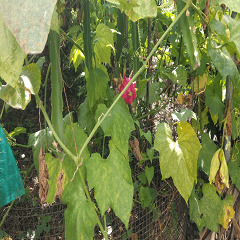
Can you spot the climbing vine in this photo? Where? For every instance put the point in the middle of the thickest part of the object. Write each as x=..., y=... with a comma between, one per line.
x=197, y=49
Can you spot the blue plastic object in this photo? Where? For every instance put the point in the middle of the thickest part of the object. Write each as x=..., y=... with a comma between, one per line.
x=11, y=184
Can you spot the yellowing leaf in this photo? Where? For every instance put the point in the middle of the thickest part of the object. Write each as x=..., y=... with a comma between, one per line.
x=180, y=98
x=219, y=170
x=178, y=159
x=199, y=83
x=229, y=214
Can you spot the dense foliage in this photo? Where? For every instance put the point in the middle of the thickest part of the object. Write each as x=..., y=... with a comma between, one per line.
x=112, y=44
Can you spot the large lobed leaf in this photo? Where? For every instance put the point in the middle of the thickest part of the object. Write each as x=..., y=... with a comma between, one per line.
x=104, y=44
x=28, y=83
x=112, y=182
x=224, y=63
x=210, y=210
x=136, y=9
x=178, y=159
x=97, y=84
x=29, y=21
x=11, y=57
x=118, y=124
x=79, y=216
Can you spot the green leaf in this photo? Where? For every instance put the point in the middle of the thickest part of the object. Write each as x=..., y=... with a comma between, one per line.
x=223, y=62
x=118, y=125
x=79, y=215
x=148, y=136
x=233, y=5
x=75, y=137
x=177, y=74
x=205, y=212
x=219, y=163
x=112, y=182
x=187, y=26
x=97, y=84
x=219, y=28
x=145, y=196
x=31, y=77
x=11, y=57
x=184, y=115
x=206, y=153
x=28, y=83
x=178, y=159
x=142, y=177
x=153, y=97
x=35, y=140
x=136, y=9
x=104, y=44
x=150, y=153
x=86, y=116
x=147, y=8
x=234, y=166
x=29, y=21
x=149, y=171
x=54, y=167
x=234, y=28
x=76, y=55
x=17, y=97
x=17, y=131
x=213, y=94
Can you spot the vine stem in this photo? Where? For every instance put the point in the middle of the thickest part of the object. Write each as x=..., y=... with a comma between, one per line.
x=63, y=146
x=144, y=66
x=66, y=150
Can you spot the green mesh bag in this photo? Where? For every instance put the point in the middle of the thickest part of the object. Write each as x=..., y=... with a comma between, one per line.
x=11, y=184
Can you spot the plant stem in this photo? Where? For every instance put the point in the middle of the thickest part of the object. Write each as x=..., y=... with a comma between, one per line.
x=65, y=149
x=71, y=40
x=92, y=205
x=201, y=14
x=2, y=110
x=6, y=214
x=133, y=79
x=45, y=100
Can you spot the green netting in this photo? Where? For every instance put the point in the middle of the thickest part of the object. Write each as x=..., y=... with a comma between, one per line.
x=11, y=184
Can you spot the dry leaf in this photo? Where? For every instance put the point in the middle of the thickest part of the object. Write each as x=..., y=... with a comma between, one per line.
x=134, y=144
x=43, y=176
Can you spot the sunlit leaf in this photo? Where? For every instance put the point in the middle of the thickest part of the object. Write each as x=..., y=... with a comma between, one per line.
x=76, y=55
x=178, y=159
x=104, y=44
x=219, y=170
x=136, y=9
x=183, y=115
x=29, y=21
x=112, y=182
x=11, y=57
